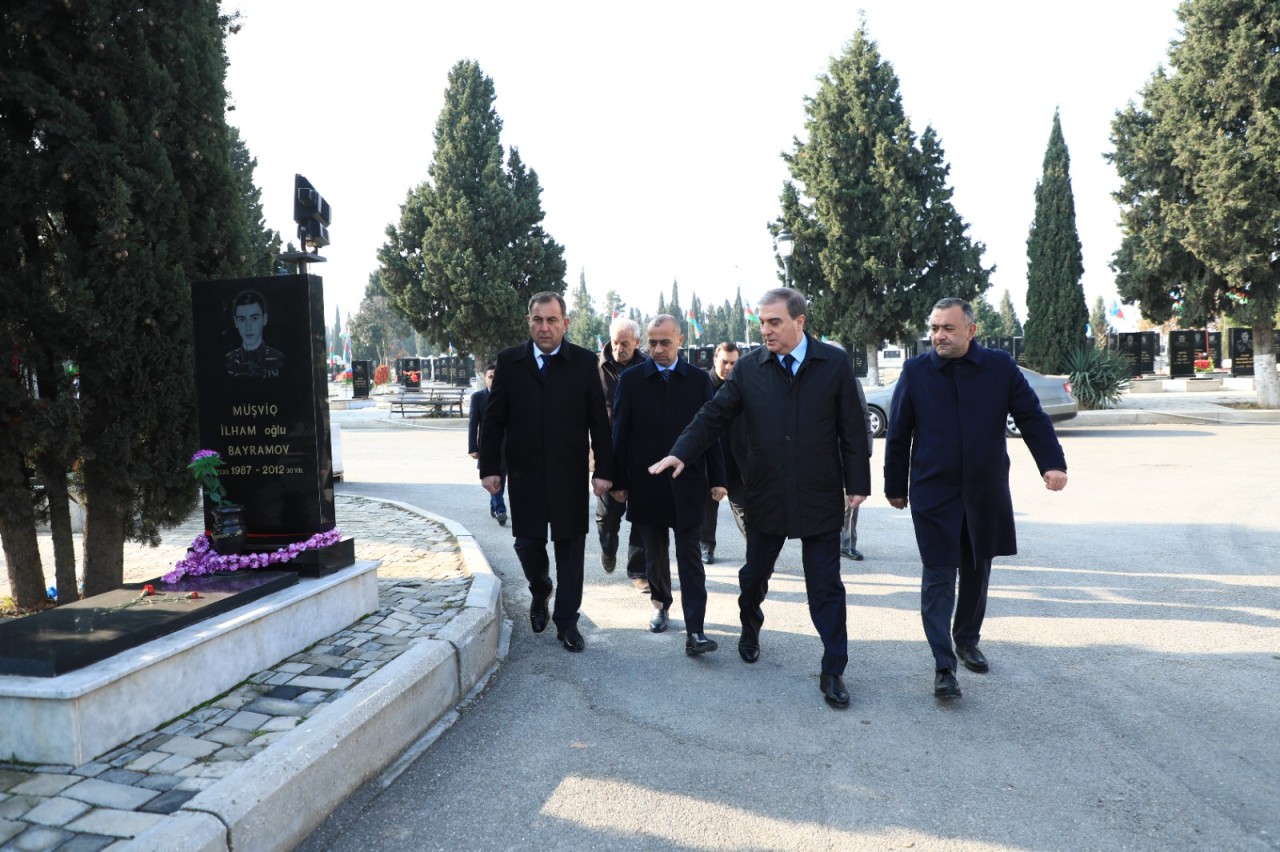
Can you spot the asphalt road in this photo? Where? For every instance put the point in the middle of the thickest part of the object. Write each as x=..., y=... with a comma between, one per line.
x=1131, y=704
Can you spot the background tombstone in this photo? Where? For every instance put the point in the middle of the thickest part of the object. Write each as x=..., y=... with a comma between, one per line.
x=361, y=379
x=1241, y=340
x=1130, y=350
x=1182, y=353
x=1148, y=349
x=1211, y=342
x=412, y=373
x=263, y=400
x=859, y=355
x=1019, y=356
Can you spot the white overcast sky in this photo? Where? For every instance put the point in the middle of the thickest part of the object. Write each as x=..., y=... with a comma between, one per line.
x=656, y=130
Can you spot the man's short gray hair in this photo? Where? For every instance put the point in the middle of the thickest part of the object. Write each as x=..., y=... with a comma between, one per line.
x=624, y=323
x=797, y=304
x=953, y=302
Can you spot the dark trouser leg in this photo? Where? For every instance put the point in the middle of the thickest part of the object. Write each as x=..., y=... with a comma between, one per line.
x=827, y=604
x=711, y=519
x=532, y=553
x=658, y=555
x=849, y=532
x=496, y=504
x=608, y=521
x=636, y=564
x=937, y=600
x=753, y=579
x=971, y=604
x=693, y=579
x=569, y=556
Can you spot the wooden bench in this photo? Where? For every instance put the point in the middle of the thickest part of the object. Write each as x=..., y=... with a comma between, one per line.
x=434, y=402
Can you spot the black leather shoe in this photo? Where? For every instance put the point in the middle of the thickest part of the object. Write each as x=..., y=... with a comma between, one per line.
x=708, y=555
x=538, y=615
x=833, y=690
x=608, y=561
x=749, y=646
x=973, y=659
x=570, y=638
x=658, y=623
x=945, y=685
x=851, y=553
x=698, y=643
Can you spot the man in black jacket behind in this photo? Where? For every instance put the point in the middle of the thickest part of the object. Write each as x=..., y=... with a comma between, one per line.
x=620, y=353
x=807, y=458
x=733, y=444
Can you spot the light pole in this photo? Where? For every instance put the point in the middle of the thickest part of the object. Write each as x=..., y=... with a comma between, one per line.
x=785, y=245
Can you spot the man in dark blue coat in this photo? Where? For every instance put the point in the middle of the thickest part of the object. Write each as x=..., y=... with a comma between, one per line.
x=475, y=419
x=806, y=459
x=655, y=401
x=947, y=436
x=546, y=403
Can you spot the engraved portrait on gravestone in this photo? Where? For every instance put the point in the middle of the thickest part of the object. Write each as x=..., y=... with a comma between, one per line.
x=253, y=357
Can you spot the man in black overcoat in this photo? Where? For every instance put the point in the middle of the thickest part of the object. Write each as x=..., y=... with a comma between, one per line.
x=806, y=459
x=946, y=435
x=546, y=403
x=733, y=444
x=655, y=401
x=475, y=419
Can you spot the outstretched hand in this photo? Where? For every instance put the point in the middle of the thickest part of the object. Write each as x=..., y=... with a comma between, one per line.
x=674, y=464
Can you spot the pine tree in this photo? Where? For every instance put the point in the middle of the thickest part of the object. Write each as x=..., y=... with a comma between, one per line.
x=1056, y=312
x=738, y=319
x=1098, y=323
x=673, y=308
x=1011, y=326
x=990, y=323
x=585, y=325
x=470, y=250
x=881, y=241
x=1199, y=183
x=264, y=243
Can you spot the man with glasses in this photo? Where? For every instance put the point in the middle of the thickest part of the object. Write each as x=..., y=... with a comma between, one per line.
x=655, y=401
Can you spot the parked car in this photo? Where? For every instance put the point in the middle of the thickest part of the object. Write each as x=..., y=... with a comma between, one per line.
x=1054, y=393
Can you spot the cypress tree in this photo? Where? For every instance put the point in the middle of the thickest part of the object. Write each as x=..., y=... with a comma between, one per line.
x=1056, y=312
x=1010, y=324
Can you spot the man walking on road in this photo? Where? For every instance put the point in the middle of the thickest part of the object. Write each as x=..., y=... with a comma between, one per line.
x=947, y=435
x=807, y=458
x=722, y=361
x=475, y=419
x=621, y=353
x=546, y=403
x=655, y=402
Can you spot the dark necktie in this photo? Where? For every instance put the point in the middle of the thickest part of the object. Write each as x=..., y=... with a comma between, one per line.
x=788, y=361
x=666, y=375
x=542, y=365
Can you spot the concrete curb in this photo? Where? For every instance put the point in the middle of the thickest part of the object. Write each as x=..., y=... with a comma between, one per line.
x=275, y=800
x=1148, y=416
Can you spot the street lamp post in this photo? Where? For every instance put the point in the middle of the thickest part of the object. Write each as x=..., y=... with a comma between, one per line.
x=785, y=245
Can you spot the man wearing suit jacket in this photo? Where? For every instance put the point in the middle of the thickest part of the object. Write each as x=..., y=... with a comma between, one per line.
x=655, y=401
x=479, y=400
x=732, y=444
x=806, y=458
x=947, y=432
x=546, y=403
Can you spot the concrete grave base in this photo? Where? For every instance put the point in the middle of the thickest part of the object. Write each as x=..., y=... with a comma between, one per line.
x=75, y=717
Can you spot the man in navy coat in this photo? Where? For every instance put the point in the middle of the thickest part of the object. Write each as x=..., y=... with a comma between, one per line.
x=475, y=419
x=655, y=401
x=546, y=402
x=947, y=436
x=806, y=460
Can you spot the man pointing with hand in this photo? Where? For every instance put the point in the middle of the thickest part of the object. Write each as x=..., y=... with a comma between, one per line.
x=807, y=458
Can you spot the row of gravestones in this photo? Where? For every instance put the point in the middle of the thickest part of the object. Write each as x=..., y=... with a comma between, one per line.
x=1186, y=347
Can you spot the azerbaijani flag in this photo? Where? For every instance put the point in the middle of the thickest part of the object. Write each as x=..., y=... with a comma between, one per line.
x=752, y=316
x=599, y=343
x=693, y=324
x=451, y=350
x=1115, y=310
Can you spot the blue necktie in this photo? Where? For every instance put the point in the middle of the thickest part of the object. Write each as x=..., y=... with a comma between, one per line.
x=542, y=365
x=788, y=361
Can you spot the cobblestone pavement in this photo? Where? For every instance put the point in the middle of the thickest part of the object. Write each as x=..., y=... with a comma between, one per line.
x=422, y=583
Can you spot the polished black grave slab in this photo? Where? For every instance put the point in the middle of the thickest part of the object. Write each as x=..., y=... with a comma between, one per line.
x=75, y=635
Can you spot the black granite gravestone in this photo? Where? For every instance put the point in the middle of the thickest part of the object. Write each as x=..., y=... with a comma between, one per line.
x=859, y=362
x=262, y=395
x=1131, y=350
x=412, y=373
x=1241, y=351
x=1211, y=343
x=1019, y=355
x=1182, y=353
x=361, y=379
x=1149, y=348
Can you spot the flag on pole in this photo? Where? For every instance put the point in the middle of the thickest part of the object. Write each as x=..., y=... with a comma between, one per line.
x=694, y=327
x=451, y=349
x=752, y=316
x=599, y=343
x=1115, y=310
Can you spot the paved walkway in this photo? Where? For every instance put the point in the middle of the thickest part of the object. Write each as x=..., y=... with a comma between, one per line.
x=422, y=584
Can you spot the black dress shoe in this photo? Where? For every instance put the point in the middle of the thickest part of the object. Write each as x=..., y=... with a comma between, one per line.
x=570, y=638
x=658, y=623
x=973, y=659
x=538, y=615
x=833, y=690
x=708, y=555
x=502, y=519
x=851, y=553
x=698, y=643
x=945, y=685
x=608, y=561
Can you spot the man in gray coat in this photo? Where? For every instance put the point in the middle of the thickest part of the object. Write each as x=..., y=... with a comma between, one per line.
x=807, y=458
